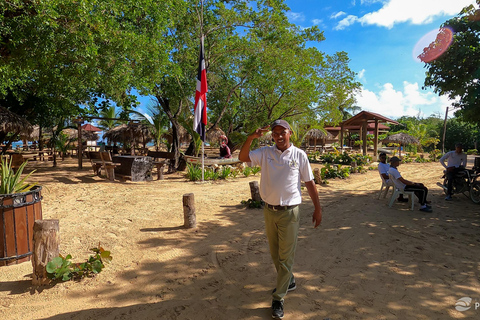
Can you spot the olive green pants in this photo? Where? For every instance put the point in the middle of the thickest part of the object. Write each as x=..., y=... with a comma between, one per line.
x=282, y=231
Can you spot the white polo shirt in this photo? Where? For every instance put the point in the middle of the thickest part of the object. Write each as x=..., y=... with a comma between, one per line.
x=282, y=173
x=454, y=159
x=383, y=168
x=396, y=175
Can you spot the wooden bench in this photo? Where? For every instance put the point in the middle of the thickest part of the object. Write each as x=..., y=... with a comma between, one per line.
x=160, y=164
x=102, y=159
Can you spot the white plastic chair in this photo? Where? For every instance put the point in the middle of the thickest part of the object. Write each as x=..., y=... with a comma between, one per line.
x=397, y=192
x=386, y=185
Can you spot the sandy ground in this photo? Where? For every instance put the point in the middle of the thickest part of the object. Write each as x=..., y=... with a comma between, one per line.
x=366, y=261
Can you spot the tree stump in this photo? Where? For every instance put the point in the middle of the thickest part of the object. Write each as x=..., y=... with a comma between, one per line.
x=354, y=167
x=46, y=246
x=255, y=191
x=189, y=217
x=317, y=176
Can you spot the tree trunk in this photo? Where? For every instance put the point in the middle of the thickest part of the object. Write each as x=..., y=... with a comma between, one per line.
x=189, y=217
x=46, y=246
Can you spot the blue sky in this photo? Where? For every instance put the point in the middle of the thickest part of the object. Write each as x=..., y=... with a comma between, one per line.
x=380, y=38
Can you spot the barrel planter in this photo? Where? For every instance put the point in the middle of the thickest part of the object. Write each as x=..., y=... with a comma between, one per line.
x=18, y=213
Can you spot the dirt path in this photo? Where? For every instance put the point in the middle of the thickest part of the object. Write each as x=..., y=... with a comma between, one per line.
x=366, y=261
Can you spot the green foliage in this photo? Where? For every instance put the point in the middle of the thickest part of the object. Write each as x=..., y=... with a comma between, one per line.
x=210, y=174
x=335, y=171
x=435, y=154
x=472, y=151
x=456, y=72
x=225, y=172
x=252, y=204
x=61, y=268
x=11, y=181
x=247, y=171
x=194, y=172
x=256, y=170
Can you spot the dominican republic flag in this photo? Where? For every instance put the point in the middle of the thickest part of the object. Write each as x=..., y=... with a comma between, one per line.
x=200, y=120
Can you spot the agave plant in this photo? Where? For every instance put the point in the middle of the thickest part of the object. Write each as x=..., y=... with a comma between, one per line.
x=10, y=180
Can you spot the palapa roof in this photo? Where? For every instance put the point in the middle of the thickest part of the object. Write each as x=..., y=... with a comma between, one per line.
x=318, y=134
x=214, y=134
x=124, y=132
x=86, y=135
x=402, y=138
x=12, y=122
x=360, y=117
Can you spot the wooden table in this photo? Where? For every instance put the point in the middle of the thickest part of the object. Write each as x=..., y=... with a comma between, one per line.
x=136, y=168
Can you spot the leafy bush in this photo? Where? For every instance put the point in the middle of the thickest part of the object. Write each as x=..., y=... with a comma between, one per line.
x=210, y=174
x=225, y=172
x=247, y=171
x=335, y=171
x=252, y=204
x=61, y=268
x=360, y=159
x=194, y=172
x=256, y=170
x=472, y=151
x=435, y=154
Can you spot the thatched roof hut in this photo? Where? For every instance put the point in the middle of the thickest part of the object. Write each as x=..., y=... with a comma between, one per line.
x=11, y=122
x=128, y=132
x=313, y=135
x=72, y=134
x=213, y=134
x=401, y=138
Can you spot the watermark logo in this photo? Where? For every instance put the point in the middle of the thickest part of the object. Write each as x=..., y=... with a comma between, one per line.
x=463, y=304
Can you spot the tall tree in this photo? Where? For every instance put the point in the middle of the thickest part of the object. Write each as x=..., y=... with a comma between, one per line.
x=456, y=72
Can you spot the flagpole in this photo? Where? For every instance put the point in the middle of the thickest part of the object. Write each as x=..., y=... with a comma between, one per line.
x=203, y=158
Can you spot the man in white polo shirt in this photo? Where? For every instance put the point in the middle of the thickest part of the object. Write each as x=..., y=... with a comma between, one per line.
x=383, y=168
x=284, y=166
x=456, y=162
x=403, y=184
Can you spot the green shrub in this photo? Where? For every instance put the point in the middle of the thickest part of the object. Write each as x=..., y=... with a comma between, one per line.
x=194, y=172
x=247, y=171
x=256, y=170
x=61, y=268
x=10, y=181
x=335, y=171
x=472, y=151
x=225, y=172
x=435, y=154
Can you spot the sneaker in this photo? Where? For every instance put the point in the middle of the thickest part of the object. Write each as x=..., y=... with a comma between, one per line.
x=426, y=209
x=449, y=198
x=292, y=286
x=402, y=200
x=277, y=309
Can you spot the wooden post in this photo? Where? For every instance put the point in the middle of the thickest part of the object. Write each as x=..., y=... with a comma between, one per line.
x=317, y=176
x=255, y=191
x=189, y=217
x=46, y=246
x=354, y=167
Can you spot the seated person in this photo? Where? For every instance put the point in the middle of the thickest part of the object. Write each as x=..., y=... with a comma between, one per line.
x=224, y=149
x=402, y=184
x=383, y=167
x=456, y=162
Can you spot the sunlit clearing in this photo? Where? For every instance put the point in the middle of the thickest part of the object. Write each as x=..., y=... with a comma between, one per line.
x=432, y=45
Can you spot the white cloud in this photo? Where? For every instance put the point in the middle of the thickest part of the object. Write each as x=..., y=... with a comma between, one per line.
x=401, y=11
x=394, y=103
x=317, y=21
x=345, y=22
x=295, y=16
x=361, y=76
x=337, y=15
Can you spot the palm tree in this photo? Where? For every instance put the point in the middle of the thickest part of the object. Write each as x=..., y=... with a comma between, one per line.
x=108, y=124
x=157, y=121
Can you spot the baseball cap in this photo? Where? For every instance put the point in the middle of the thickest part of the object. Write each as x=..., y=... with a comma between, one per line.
x=392, y=159
x=280, y=122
